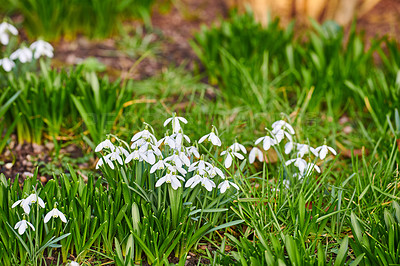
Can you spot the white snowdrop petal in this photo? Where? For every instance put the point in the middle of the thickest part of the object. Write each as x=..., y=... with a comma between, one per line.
x=182, y=119
x=41, y=202
x=289, y=161
x=22, y=227
x=288, y=147
x=31, y=225
x=203, y=138
x=16, y=203
x=242, y=148
x=323, y=153
x=234, y=185
x=18, y=224
x=228, y=161
x=175, y=183
x=160, y=181
x=48, y=216
x=238, y=155
x=62, y=217
x=252, y=156
x=332, y=150
x=167, y=121
x=259, y=140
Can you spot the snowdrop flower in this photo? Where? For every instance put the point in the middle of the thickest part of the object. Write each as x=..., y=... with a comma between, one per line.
x=323, y=151
x=285, y=185
x=33, y=198
x=223, y=186
x=289, y=147
x=268, y=142
x=207, y=183
x=193, y=181
x=174, y=169
x=158, y=166
x=212, y=137
x=136, y=155
x=138, y=143
x=176, y=127
x=26, y=208
x=172, y=179
x=192, y=150
x=106, y=144
x=235, y=147
x=179, y=159
x=26, y=203
x=106, y=158
x=5, y=29
x=55, y=213
x=7, y=64
x=311, y=167
x=300, y=163
x=116, y=155
x=149, y=153
x=282, y=125
x=280, y=129
x=73, y=263
x=23, y=54
x=256, y=153
x=168, y=140
x=22, y=225
x=231, y=152
x=280, y=134
x=305, y=149
x=229, y=157
x=200, y=165
x=42, y=48
x=213, y=171
x=178, y=138
x=146, y=135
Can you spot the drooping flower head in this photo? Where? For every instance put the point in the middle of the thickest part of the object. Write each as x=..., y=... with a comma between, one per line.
x=41, y=48
x=55, y=213
x=5, y=30
x=22, y=226
x=176, y=127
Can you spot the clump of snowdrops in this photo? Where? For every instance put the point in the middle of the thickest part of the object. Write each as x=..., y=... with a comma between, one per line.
x=9, y=56
x=171, y=180
x=30, y=219
x=171, y=159
x=303, y=156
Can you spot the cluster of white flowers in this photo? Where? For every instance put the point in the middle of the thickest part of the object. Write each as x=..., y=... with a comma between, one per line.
x=281, y=130
x=26, y=206
x=23, y=54
x=171, y=158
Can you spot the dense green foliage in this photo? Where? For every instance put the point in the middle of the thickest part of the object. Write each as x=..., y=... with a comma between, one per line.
x=334, y=90
x=93, y=18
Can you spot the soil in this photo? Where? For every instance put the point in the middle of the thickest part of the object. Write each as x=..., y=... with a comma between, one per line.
x=21, y=160
x=173, y=29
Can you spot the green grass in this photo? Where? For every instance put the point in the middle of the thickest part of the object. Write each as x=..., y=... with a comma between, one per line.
x=329, y=91
x=93, y=18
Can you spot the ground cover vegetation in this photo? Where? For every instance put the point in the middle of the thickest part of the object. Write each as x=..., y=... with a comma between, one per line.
x=287, y=156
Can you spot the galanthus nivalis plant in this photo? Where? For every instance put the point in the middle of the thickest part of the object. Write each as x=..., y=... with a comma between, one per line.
x=23, y=54
x=283, y=130
x=189, y=190
x=170, y=158
x=29, y=226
